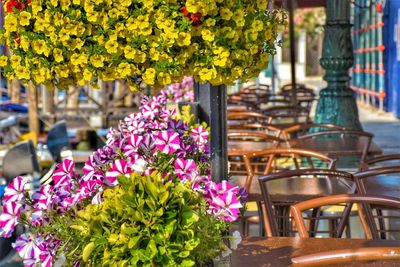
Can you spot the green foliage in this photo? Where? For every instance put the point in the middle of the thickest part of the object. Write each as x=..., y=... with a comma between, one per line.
x=145, y=222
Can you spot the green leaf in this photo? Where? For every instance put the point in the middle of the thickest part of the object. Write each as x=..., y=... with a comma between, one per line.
x=187, y=263
x=163, y=197
x=189, y=217
x=87, y=251
x=133, y=241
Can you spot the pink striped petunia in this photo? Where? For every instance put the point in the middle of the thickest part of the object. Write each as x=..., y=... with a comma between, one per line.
x=200, y=135
x=119, y=167
x=14, y=192
x=9, y=218
x=133, y=144
x=168, y=142
x=224, y=206
x=184, y=168
x=64, y=173
x=43, y=198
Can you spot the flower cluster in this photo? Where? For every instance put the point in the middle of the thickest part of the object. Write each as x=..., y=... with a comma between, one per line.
x=62, y=43
x=180, y=92
x=155, y=140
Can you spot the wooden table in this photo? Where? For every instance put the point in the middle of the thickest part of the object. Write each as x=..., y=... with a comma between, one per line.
x=278, y=251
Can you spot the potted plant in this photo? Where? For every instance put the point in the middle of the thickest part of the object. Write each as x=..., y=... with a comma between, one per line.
x=61, y=43
x=145, y=199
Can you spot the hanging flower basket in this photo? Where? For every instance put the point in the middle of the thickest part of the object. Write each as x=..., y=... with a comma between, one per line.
x=72, y=42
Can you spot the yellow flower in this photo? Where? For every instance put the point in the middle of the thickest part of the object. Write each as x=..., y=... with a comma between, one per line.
x=257, y=25
x=58, y=55
x=164, y=78
x=124, y=70
x=129, y=52
x=112, y=46
x=54, y=3
x=25, y=44
x=97, y=61
x=36, y=7
x=62, y=71
x=22, y=73
x=149, y=76
x=207, y=74
x=11, y=23
x=40, y=47
x=15, y=61
x=262, y=5
x=76, y=2
x=3, y=61
x=24, y=18
x=184, y=39
x=207, y=35
x=87, y=75
x=40, y=24
x=140, y=57
x=225, y=13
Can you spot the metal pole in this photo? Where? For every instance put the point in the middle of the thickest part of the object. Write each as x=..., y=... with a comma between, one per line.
x=212, y=110
x=337, y=104
x=292, y=52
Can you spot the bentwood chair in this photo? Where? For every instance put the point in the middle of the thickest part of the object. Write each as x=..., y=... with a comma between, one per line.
x=359, y=139
x=282, y=189
x=341, y=257
x=285, y=116
x=381, y=161
x=241, y=141
x=249, y=117
x=301, y=129
x=365, y=213
x=277, y=160
x=382, y=181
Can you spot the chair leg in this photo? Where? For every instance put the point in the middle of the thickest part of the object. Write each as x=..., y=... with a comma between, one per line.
x=314, y=222
x=381, y=222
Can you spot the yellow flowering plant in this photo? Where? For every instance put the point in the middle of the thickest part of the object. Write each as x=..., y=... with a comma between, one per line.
x=158, y=42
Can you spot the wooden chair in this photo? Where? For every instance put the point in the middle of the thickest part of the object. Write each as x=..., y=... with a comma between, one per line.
x=280, y=159
x=365, y=213
x=348, y=256
x=236, y=159
x=285, y=116
x=301, y=129
x=380, y=161
x=360, y=137
x=249, y=117
x=383, y=181
x=280, y=190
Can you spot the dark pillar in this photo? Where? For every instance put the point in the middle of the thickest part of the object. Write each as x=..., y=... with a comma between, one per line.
x=292, y=52
x=212, y=110
x=337, y=104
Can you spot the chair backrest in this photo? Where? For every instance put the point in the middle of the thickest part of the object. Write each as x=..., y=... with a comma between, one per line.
x=255, y=126
x=249, y=116
x=301, y=129
x=237, y=165
x=57, y=140
x=21, y=159
x=365, y=137
x=370, y=232
x=302, y=184
x=348, y=256
x=380, y=161
x=288, y=115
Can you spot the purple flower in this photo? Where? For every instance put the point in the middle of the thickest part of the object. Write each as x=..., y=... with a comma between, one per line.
x=224, y=206
x=177, y=126
x=168, y=142
x=14, y=192
x=9, y=218
x=184, y=168
x=120, y=167
x=64, y=173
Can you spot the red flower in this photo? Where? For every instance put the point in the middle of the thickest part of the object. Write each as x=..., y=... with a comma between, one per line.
x=14, y=3
x=379, y=8
x=184, y=11
x=196, y=18
x=17, y=39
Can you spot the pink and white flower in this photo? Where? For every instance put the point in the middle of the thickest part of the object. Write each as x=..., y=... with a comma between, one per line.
x=14, y=192
x=168, y=142
x=119, y=167
x=184, y=168
x=64, y=173
x=9, y=218
x=27, y=248
x=200, y=135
